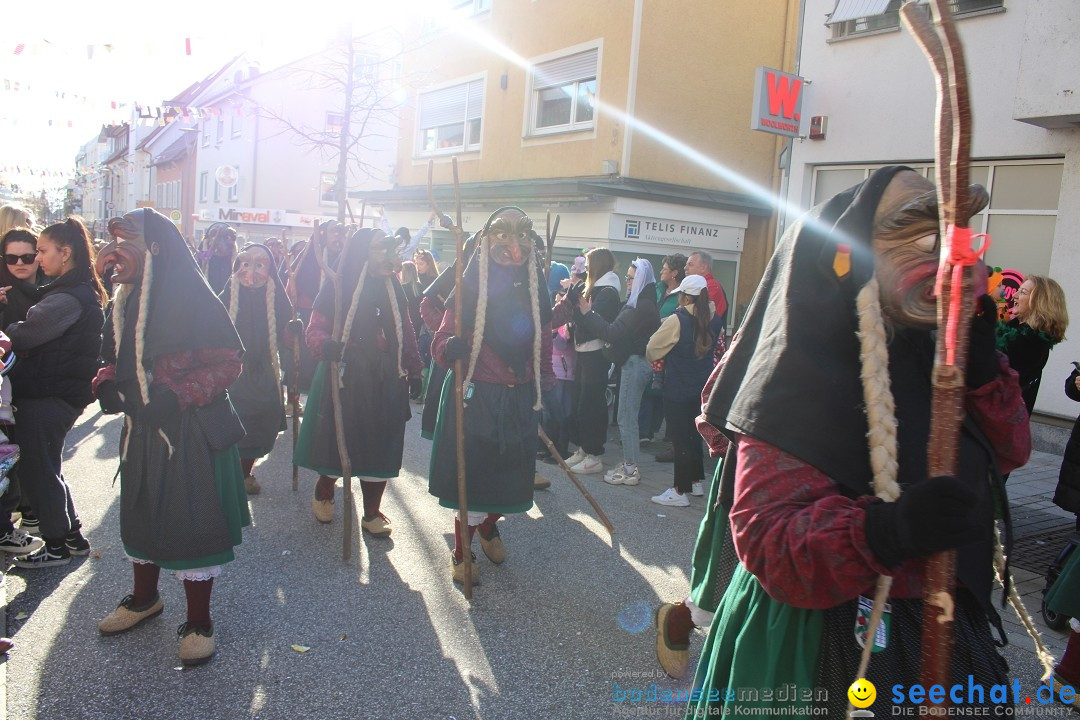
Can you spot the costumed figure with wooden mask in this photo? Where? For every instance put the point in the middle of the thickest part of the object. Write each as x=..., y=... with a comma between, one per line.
x=825, y=394
x=171, y=352
x=219, y=249
x=304, y=282
x=376, y=357
x=506, y=350
x=261, y=312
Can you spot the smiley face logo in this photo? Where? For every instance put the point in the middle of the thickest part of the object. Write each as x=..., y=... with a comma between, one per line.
x=862, y=693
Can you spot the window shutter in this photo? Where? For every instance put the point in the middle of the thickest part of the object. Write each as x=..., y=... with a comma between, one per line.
x=566, y=69
x=851, y=9
x=443, y=107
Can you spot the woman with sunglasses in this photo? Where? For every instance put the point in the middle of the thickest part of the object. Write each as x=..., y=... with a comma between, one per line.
x=20, y=275
x=58, y=345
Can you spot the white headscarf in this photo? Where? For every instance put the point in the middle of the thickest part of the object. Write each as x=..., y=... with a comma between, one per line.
x=643, y=275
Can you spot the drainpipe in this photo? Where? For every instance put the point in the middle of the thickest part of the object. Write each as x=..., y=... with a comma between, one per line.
x=631, y=88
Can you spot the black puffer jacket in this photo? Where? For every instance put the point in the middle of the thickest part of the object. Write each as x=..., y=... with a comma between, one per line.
x=630, y=332
x=1067, y=494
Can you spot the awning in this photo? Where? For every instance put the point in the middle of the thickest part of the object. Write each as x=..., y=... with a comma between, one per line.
x=852, y=9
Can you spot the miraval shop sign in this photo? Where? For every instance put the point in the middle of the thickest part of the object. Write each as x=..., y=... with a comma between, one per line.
x=777, y=102
x=676, y=233
x=259, y=216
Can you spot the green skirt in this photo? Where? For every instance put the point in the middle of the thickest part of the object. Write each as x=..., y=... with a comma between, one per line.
x=1064, y=595
x=755, y=642
x=229, y=481
x=713, y=540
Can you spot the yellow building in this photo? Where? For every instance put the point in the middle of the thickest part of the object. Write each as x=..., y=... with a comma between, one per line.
x=628, y=118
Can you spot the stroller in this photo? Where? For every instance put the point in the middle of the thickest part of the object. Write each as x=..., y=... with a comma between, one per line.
x=1054, y=620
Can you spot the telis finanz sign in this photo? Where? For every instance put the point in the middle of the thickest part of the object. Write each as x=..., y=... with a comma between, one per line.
x=777, y=102
x=687, y=236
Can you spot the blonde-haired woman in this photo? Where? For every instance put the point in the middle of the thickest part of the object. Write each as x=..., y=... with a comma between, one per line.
x=14, y=216
x=1038, y=324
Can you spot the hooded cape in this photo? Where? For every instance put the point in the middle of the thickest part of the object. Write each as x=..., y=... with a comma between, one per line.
x=184, y=313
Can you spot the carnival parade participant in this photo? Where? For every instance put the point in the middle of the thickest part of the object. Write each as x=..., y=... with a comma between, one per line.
x=799, y=396
x=506, y=351
x=261, y=312
x=171, y=351
x=219, y=249
x=304, y=282
x=376, y=357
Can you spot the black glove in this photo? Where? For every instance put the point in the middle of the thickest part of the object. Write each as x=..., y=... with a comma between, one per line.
x=932, y=515
x=109, y=397
x=456, y=349
x=982, y=361
x=296, y=327
x=332, y=350
x=163, y=405
x=416, y=386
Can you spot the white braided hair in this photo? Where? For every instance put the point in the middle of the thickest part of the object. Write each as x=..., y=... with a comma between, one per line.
x=534, y=301
x=481, y=310
x=140, y=328
x=398, y=329
x=351, y=315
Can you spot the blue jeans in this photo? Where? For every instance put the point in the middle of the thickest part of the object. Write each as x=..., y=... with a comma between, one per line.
x=636, y=374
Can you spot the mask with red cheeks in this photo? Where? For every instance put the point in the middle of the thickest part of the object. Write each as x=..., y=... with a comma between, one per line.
x=509, y=238
x=382, y=260
x=126, y=253
x=252, y=267
x=907, y=249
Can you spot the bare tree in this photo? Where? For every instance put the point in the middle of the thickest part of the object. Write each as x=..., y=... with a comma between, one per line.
x=362, y=78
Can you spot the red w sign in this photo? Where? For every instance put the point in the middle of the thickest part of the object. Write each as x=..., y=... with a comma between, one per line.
x=777, y=102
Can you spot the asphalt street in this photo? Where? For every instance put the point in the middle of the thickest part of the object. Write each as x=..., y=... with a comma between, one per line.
x=303, y=635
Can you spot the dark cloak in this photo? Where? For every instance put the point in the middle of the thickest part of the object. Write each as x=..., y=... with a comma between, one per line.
x=792, y=375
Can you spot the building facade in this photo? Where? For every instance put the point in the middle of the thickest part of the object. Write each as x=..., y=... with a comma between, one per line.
x=872, y=84
x=627, y=118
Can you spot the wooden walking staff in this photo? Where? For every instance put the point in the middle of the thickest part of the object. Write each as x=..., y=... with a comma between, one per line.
x=294, y=381
x=335, y=390
x=459, y=373
x=942, y=47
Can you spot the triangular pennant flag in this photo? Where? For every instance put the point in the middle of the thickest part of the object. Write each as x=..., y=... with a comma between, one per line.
x=187, y=45
x=19, y=48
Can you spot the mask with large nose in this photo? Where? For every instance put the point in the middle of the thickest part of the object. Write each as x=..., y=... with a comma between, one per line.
x=509, y=238
x=126, y=253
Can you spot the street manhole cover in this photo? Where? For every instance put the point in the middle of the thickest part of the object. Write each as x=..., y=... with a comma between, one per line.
x=1035, y=552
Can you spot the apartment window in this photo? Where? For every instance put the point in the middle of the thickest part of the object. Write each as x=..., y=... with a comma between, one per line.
x=234, y=189
x=1021, y=217
x=236, y=124
x=366, y=68
x=204, y=178
x=469, y=8
x=450, y=118
x=851, y=18
x=204, y=128
x=178, y=191
x=334, y=123
x=327, y=188
x=221, y=126
x=564, y=93
x=217, y=191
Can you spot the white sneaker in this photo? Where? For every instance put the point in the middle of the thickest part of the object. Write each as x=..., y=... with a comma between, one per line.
x=622, y=476
x=697, y=490
x=574, y=459
x=589, y=465
x=671, y=498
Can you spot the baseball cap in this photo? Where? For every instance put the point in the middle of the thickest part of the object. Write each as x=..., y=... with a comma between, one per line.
x=692, y=285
